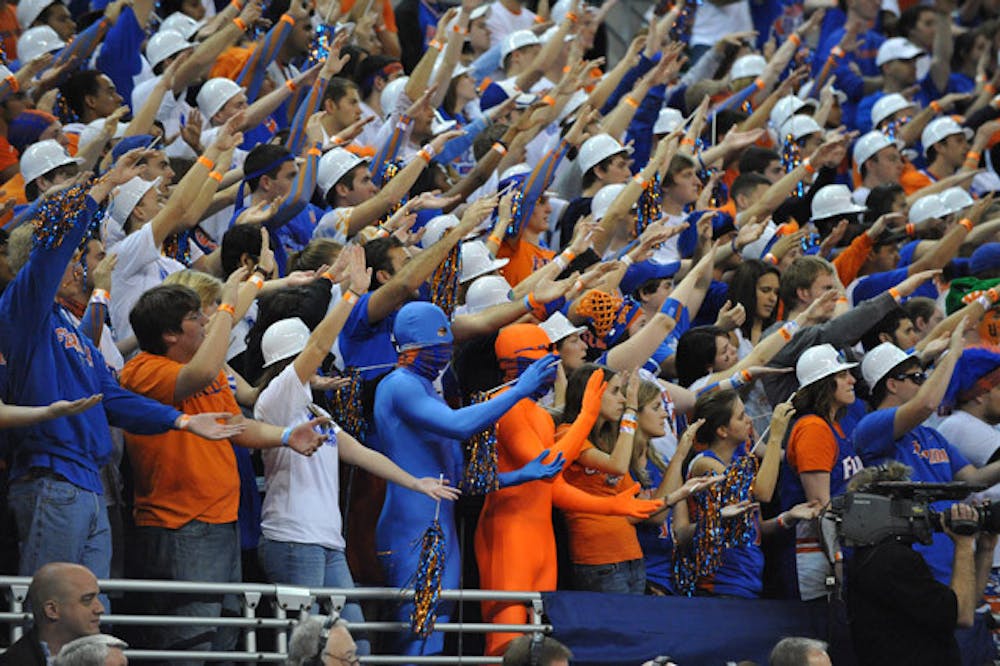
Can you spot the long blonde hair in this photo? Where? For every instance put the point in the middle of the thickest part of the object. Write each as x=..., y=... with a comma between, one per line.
x=208, y=287
x=648, y=392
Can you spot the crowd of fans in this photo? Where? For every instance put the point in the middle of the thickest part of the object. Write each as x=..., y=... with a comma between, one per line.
x=683, y=296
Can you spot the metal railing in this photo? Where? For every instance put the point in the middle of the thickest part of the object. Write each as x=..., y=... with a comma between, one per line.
x=288, y=600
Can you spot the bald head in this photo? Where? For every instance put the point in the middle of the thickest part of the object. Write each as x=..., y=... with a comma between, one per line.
x=54, y=582
x=65, y=604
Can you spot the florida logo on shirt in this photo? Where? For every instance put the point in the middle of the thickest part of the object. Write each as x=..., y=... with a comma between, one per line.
x=932, y=456
x=71, y=340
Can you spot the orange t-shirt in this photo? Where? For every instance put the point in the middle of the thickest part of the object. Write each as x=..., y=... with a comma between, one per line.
x=12, y=189
x=180, y=477
x=913, y=180
x=812, y=446
x=8, y=154
x=596, y=538
x=388, y=16
x=525, y=259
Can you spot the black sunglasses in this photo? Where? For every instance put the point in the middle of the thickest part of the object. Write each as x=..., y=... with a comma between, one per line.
x=918, y=377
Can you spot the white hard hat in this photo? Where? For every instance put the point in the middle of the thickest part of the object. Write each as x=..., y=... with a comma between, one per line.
x=516, y=170
x=799, y=126
x=926, y=208
x=509, y=86
x=333, y=166
x=436, y=227
x=897, y=48
x=551, y=32
x=128, y=196
x=479, y=11
x=36, y=42
x=938, y=130
x=576, y=100
x=668, y=120
x=819, y=362
x=602, y=200
x=888, y=105
x=215, y=93
x=880, y=361
x=164, y=44
x=283, y=339
x=390, y=94
x=182, y=23
x=477, y=261
x=94, y=128
x=869, y=144
x=596, y=149
x=487, y=291
x=832, y=201
x=28, y=12
x=787, y=107
x=557, y=327
x=42, y=157
x=955, y=199
x=517, y=40
x=748, y=66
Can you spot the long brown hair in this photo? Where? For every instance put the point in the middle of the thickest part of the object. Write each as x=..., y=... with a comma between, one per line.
x=648, y=392
x=817, y=398
x=603, y=434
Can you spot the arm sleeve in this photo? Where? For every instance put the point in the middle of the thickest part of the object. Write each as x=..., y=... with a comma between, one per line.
x=133, y=412
x=872, y=285
x=119, y=57
x=486, y=64
x=263, y=55
x=541, y=178
x=628, y=82
x=849, y=262
x=311, y=104
x=457, y=146
x=388, y=151
x=83, y=45
x=435, y=416
x=297, y=199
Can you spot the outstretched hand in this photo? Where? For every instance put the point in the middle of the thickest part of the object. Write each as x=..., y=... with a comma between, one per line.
x=538, y=375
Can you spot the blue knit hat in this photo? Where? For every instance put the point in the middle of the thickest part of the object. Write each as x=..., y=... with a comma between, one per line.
x=27, y=127
x=976, y=372
x=985, y=258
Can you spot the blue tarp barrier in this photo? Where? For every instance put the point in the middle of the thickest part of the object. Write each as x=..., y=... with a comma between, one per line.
x=622, y=629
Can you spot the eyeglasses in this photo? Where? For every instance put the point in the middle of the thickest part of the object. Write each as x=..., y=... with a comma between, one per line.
x=917, y=378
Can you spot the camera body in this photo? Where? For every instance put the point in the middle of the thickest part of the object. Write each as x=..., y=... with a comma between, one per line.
x=902, y=510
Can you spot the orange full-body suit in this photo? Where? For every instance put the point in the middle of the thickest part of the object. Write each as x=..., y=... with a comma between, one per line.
x=515, y=543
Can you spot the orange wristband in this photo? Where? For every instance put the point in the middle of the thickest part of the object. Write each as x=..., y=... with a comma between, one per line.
x=291, y=85
x=759, y=82
x=548, y=99
x=638, y=179
x=287, y=19
x=795, y=39
x=990, y=88
x=973, y=155
x=12, y=82
x=837, y=52
x=910, y=229
x=494, y=238
x=967, y=223
x=807, y=165
x=229, y=309
x=687, y=142
x=539, y=19
x=257, y=281
x=937, y=107
x=215, y=175
x=240, y=23
x=572, y=17
x=631, y=102
x=499, y=147
x=205, y=162
x=436, y=44
x=315, y=152
x=895, y=294
x=424, y=155
x=350, y=297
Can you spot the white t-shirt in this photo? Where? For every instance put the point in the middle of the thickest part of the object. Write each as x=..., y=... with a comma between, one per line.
x=501, y=22
x=170, y=113
x=302, y=493
x=334, y=224
x=140, y=267
x=369, y=134
x=668, y=251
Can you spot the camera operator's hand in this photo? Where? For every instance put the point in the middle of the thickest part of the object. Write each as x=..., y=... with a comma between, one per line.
x=961, y=512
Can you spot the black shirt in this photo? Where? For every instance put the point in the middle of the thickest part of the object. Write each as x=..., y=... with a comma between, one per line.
x=899, y=614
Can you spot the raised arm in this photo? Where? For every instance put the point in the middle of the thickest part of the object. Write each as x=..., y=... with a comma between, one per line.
x=927, y=400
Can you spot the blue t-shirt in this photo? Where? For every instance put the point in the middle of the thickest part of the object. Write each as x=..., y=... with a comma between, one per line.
x=932, y=459
x=870, y=286
x=657, y=542
x=364, y=344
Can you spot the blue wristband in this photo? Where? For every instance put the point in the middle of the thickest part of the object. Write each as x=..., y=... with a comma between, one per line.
x=285, y=436
x=672, y=308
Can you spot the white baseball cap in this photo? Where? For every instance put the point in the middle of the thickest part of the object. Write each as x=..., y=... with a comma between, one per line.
x=897, y=48
x=164, y=44
x=819, y=362
x=880, y=361
x=283, y=339
x=888, y=105
x=955, y=199
x=518, y=39
x=333, y=166
x=748, y=66
x=596, y=149
x=127, y=197
x=799, y=126
x=42, y=157
x=36, y=42
x=477, y=261
x=557, y=327
x=487, y=291
x=668, y=120
x=602, y=200
x=926, y=208
x=869, y=144
x=940, y=129
x=833, y=201
x=215, y=93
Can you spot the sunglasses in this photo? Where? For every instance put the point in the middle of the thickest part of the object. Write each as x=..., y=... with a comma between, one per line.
x=918, y=377
x=551, y=347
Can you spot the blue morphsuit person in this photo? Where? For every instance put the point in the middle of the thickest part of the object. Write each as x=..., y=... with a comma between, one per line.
x=424, y=436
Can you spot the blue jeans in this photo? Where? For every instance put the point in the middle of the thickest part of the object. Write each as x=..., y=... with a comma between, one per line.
x=197, y=551
x=60, y=522
x=311, y=565
x=628, y=577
